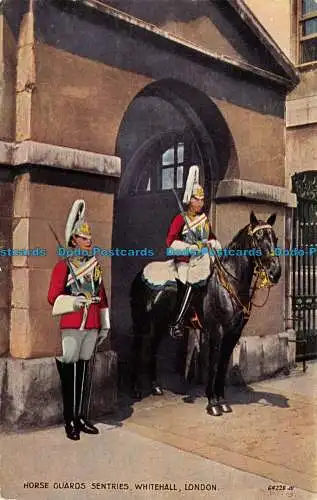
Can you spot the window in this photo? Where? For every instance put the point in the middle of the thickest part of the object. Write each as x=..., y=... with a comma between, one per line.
x=164, y=163
x=172, y=169
x=308, y=31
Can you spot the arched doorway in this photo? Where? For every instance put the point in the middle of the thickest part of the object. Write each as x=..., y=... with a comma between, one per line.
x=168, y=127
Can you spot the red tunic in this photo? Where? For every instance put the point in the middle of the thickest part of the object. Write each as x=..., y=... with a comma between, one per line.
x=175, y=233
x=73, y=320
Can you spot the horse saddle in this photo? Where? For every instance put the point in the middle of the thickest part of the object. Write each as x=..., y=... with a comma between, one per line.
x=158, y=275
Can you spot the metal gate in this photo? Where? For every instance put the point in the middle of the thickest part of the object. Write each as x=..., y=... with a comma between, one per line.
x=304, y=265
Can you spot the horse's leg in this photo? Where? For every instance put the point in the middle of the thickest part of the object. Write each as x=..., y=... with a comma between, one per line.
x=230, y=339
x=215, y=341
x=155, y=340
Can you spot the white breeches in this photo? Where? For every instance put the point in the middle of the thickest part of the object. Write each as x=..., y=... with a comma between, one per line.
x=182, y=271
x=77, y=344
x=196, y=271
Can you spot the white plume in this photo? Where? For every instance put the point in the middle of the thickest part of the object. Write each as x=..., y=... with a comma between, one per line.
x=192, y=179
x=76, y=213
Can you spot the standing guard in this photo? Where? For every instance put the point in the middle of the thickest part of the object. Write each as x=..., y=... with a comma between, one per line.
x=77, y=293
x=188, y=234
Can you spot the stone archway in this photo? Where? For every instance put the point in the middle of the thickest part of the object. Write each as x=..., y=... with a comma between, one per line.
x=168, y=127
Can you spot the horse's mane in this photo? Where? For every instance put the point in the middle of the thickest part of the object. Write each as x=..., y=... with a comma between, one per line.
x=240, y=239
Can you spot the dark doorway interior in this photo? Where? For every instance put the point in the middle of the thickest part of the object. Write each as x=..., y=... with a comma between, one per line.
x=160, y=137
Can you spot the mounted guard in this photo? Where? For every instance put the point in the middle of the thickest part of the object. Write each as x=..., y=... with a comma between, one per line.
x=226, y=301
x=190, y=236
x=189, y=240
x=77, y=294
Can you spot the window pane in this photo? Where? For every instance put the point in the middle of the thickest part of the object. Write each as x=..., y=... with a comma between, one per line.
x=179, y=180
x=309, y=50
x=309, y=6
x=310, y=27
x=167, y=178
x=180, y=152
x=144, y=183
x=168, y=157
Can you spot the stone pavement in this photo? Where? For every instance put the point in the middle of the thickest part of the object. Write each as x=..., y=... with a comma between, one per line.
x=165, y=448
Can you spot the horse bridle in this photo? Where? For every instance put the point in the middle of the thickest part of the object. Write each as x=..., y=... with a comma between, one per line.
x=259, y=270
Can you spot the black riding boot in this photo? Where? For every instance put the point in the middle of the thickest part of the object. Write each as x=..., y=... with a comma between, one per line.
x=177, y=328
x=67, y=373
x=83, y=398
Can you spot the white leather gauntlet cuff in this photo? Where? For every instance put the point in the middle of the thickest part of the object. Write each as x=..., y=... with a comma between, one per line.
x=105, y=318
x=67, y=304
x=182, y=245
x=215, y=244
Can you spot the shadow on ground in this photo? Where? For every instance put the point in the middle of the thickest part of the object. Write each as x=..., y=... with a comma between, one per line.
x=242, y=396
x=175, y=387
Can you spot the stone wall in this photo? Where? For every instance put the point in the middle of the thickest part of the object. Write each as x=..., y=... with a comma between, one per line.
x=6, y=196
x=7, y=81
x=259, y=357
x=275, y=16
x=253, y=132
x=31, y=393
x=92, y=98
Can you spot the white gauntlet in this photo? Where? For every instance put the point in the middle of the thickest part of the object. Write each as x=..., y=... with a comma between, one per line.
x=215, y=244
x=105, y=318
x=65, y=304
x=178, y=245
x=105, y=325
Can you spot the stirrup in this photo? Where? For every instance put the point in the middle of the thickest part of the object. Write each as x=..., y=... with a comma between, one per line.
x=176, y=330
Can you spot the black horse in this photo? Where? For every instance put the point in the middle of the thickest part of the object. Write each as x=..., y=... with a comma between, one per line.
x=226, y=305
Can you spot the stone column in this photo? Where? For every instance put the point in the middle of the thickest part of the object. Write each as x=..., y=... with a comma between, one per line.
x=5, y=271
x=25, y=83
x=264, y=347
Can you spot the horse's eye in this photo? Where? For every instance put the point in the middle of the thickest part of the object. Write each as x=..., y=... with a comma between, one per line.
x=260, y=233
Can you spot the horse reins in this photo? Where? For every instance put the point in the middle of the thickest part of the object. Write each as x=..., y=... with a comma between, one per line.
x=259, y=271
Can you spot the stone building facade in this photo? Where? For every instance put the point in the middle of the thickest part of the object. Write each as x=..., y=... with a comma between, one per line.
x=113, y=101
x=293, y=24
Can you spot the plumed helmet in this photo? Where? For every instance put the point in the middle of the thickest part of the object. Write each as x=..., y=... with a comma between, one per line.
x=193, y=188
x=198, y=192
x=76, y=224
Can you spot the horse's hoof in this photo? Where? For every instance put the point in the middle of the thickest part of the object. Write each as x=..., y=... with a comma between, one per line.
x=214, y=410
x=157, y=390
x=225, y=407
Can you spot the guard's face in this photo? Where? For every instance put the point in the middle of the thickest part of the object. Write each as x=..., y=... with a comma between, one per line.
x=82, y=242
x=196, y=205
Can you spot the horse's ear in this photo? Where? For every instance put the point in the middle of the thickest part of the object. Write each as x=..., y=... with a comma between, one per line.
x=271, y=220
x=253, y=220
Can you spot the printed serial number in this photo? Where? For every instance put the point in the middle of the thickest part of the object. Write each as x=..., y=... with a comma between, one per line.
x=280, y=487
